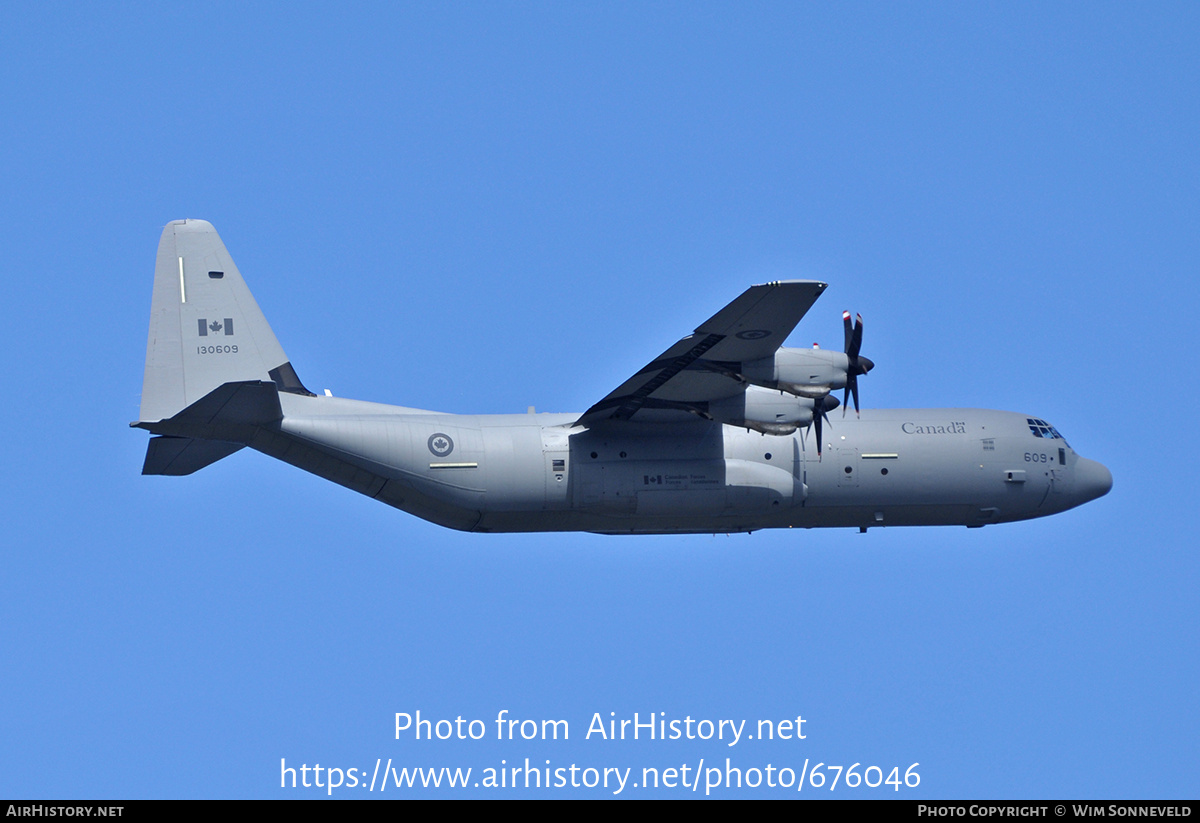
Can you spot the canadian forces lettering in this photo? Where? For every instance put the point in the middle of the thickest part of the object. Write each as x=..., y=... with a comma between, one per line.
x=955, y=427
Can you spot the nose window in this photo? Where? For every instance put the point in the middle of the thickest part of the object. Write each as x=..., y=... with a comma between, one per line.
x=1040, y=428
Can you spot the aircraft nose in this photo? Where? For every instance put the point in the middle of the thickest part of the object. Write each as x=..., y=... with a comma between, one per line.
x=1092, y=479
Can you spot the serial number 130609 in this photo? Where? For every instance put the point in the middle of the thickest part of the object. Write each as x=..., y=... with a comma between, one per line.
x=216, y=350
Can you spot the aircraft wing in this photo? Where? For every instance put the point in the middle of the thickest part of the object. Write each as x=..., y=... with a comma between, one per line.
x=702, y=366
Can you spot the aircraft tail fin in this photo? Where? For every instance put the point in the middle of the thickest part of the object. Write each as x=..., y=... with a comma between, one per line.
x=206, y=330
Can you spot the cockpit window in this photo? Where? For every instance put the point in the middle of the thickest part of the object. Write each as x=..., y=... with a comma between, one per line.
x=1041, y=428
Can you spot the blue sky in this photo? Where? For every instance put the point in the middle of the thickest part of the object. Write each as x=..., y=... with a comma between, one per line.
x=482, y=207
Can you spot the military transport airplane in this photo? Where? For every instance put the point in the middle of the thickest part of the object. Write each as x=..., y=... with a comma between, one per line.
x=722, y=432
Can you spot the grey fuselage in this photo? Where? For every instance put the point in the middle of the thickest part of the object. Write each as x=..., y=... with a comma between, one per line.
x=540, y=472
x=716, y=434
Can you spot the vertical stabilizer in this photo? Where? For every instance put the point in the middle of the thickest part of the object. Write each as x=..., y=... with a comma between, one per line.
x=205, y=327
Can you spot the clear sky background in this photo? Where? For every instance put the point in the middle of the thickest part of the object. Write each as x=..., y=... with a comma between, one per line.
x=481, y=207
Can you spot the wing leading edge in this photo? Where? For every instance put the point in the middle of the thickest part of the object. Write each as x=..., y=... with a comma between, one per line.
x=704, y=366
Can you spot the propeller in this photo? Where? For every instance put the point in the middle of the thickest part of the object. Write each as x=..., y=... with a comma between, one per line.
x=821, y=408
x=858, y=364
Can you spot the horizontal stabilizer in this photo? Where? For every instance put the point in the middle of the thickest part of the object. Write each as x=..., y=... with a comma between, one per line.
x=231, y=412
x=253, y=403
x=177, y=456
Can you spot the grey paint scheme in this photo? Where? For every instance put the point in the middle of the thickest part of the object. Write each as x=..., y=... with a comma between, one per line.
x=663, y=462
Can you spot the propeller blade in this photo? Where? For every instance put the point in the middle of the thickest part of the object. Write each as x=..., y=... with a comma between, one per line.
x=821, y=409
x=818, y=413
x=851, y=391
x=855, y=342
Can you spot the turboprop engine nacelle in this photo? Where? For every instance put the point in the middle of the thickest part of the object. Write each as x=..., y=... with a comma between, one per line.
x=806, y=373
x=765, y=410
